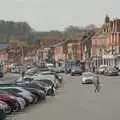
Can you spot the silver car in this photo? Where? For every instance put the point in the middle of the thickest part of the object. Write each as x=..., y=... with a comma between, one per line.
x=88, y=78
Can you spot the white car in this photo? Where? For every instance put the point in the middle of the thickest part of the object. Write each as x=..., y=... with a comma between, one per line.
x=88, y=78
x=48, y=77
x=49, y=65
x=102, y=69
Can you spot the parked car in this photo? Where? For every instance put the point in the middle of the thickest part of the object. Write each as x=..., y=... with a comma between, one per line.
x=101, y=69
x=88, y=78
x=67, y=69
x=57, y=76
x=41, y=85
x=18, y=95
x=47, y=84
x=49, y=89
x=48, y=78
x=76, y=70
x=38, y=93
x=111, y=71
x=2, y=115
x=19, y=92
x=20, y=101
x=11, y=101
x=4, y=106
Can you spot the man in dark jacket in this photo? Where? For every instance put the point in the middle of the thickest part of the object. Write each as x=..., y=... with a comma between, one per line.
x=97, y=85
x=23, y=74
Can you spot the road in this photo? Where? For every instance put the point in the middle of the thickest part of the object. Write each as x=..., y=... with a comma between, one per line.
x=74, y=102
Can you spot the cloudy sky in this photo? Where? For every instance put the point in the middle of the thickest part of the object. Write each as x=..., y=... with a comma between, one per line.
x=58, y=14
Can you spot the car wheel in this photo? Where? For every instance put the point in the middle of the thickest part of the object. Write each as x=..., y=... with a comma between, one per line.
x=9, y=110
x=16, y=107
x=36, y=100
x=50, y=92
x=2, y=115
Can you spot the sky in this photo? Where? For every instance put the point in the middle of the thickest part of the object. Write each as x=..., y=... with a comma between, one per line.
x=45, y=15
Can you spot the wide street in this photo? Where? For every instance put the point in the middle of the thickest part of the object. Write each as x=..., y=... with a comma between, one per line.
x=78, y=102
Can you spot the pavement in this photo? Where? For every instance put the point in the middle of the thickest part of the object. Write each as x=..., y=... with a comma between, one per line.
x=78, y=102
x=9, y=77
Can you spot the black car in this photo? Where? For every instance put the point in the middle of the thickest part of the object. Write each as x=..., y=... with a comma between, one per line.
x=76, y=70
x=47, y=85
x=39, y=93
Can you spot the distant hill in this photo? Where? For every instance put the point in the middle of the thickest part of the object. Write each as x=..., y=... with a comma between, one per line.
x=10, y=30
x=13, y=30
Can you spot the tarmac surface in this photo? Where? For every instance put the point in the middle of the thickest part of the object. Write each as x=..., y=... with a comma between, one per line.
x=74, y=101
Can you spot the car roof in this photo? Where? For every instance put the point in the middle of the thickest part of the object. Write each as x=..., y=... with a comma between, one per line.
x=103, y=65
x=88, y=73
x=44, y=76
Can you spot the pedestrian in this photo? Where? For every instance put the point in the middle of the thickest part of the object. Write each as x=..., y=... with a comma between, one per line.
x=52, y=88
x=97, y=84
x=93, y=68
x=23, y=74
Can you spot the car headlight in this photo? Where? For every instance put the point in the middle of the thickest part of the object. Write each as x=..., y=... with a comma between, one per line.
x=12, y=97
x=60, y=77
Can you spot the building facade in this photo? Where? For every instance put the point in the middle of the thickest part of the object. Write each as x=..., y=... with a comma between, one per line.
x=106, y=43
x=59, y=54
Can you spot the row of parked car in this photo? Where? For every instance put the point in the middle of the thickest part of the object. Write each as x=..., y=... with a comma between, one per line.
x=30, y=89
x=107, y=70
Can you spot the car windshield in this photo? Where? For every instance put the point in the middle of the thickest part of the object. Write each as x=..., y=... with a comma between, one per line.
x=102, y=67
x=49, y=82
x=44, y=84
x=88, y=75
x=76, y=67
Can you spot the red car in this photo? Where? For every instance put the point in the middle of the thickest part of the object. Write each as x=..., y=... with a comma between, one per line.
x=11, y=101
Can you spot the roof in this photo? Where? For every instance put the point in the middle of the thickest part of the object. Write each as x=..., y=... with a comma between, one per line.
x=3, y=47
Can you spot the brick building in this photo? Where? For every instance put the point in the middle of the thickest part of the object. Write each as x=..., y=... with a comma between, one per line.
x=3, y=53
x=59, y=54
x=75, y=50
x=49, y=41
x=106, y=43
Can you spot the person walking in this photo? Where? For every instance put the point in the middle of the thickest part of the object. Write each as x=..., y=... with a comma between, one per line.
x=52, y=90
x=23, y=74
x=94, y=68
x=97, y=85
